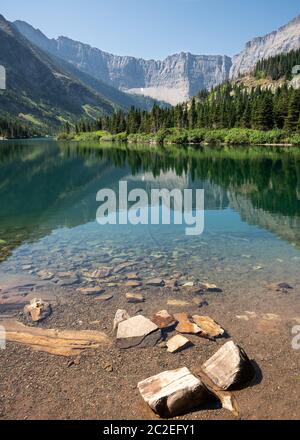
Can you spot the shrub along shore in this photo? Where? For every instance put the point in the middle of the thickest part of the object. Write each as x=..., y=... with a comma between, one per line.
x=233, y=136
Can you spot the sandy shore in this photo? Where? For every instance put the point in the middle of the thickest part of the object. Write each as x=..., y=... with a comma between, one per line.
x=102, y=384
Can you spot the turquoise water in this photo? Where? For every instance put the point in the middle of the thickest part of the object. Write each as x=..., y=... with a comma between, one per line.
x=48, y=209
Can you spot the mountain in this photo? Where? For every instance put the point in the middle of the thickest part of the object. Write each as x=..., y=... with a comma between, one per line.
x=39, y=91
x=174, y=80
x=45, y=91
x=283, y=40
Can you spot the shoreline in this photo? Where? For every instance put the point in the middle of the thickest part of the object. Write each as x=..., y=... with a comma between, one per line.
x=197, y=137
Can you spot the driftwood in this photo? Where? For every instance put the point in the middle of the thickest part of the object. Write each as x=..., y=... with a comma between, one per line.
x=226, y=398
x=230, y=367
x=57, y=342
x=173, y=393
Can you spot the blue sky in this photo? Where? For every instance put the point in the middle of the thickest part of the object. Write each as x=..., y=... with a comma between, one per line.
x=155, y=28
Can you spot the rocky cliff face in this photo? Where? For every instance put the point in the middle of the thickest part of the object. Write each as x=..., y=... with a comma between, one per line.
x=175, y=79
x=283, y=40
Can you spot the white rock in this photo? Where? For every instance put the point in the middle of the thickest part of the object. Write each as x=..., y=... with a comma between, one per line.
x=177, y=343
x=134, y=332
x=121, y=316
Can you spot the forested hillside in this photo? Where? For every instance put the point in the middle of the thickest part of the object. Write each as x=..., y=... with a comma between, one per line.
x=279, y=66
x=227, y=106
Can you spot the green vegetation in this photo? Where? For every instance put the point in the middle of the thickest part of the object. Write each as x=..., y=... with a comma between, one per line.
x=230, y=114
x=234, y=136
x=10, y=129
x=279, y=66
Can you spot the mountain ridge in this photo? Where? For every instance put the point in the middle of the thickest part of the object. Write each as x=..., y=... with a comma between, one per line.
x=282, y=40
x=174, y=79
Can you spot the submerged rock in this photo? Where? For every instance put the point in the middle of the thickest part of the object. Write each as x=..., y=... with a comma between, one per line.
x=211, y=288
x=105, y=297
x=155, y=282
x=102, y=272
x=280, y=287
x=38, y=310
x=173, y=393
x=91, y=291
x=178, y=303
x=135, y=298
x=230, y=367
x=133, y=284
x=137, y=332
x=133, y=277
x=45, y=275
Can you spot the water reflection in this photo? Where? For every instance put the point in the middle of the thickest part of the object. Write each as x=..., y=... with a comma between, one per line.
x=46, y=185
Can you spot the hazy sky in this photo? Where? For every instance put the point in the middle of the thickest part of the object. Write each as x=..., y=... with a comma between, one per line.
x=155, y=28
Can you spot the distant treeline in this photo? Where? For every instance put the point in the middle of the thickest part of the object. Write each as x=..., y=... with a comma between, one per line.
x=279, y=66
x=227, y=106
x=14, y=129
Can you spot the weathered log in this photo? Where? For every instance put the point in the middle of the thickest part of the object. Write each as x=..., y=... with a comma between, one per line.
x=57, y=342
x=230, y=367
x=226, y=398
x=173, y=393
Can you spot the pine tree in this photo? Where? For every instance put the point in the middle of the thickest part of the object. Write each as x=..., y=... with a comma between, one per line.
x=291, y=121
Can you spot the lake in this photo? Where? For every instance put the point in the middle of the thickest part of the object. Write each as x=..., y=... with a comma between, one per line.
x=251, y=239
x=48, y=205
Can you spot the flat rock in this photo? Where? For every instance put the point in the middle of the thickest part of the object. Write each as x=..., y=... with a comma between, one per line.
x=188, y=284
x=173, y=393
x=102, y=272
x=121, y=315
x=134, y=298
x=155, y=282
x=212, y=288
x=133, y=284
x=230, y=367
x=123, y=266
x=132, y=276
x=185, y=326
x=137, y=332
x=105, y=297
x=91, y=291
x=209, y=328
x=65, y=282
x=18, y=283
x=199, y=302
x=178, y=343
x=38, y=310
x=45, y=275
x=280, y=287
x=66, y=275
x=164, y=320
x=178, y=303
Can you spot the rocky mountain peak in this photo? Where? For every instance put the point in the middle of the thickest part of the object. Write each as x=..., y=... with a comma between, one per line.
x=283, y=40
x=174, y=80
